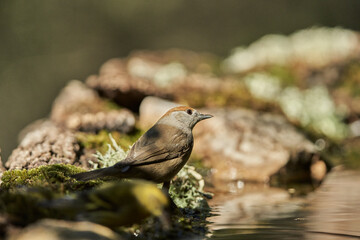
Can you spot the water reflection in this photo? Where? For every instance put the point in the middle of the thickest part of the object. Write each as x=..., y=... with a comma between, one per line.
x=334, y=212
x=331, y=212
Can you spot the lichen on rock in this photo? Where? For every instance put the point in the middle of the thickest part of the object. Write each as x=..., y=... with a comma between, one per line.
x=46, y=144
x=187, y=190
x=79, y=107
x=315, y=47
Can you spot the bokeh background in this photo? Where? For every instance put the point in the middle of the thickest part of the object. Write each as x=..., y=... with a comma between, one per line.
x=44, y=44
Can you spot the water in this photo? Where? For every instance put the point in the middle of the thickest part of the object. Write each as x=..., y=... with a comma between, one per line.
x=332, y=212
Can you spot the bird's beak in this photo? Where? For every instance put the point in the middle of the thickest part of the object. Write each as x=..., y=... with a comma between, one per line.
x=204, y=116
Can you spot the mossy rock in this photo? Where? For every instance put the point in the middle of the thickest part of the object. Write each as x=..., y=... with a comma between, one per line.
x=23, y=206
x=56, y=177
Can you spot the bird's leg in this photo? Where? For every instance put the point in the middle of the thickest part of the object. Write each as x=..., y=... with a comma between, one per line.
x=166, y=188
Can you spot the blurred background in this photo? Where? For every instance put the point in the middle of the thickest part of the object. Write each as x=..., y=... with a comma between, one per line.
x=44, y=44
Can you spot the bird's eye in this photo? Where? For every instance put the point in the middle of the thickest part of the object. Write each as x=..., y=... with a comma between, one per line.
x=189, y=111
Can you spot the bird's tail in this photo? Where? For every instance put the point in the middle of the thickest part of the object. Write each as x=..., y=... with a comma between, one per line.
x=98, y=173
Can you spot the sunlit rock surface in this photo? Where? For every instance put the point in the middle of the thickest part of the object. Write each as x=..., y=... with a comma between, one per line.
x=127, y=81
x=246, y=145
x=152, y=108
x=183, y=77
x=116, y=83
x=46, y=144
x=313, y=108
x=314, y=47
x=80, y=108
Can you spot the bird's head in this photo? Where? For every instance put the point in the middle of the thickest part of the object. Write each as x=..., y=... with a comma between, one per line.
x=183, y=117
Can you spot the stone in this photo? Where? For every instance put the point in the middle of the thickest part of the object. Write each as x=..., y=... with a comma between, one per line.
x=173, y=75
x=114, y=82
x=152, y=108
x=192, y=61
x=65, y=230
x=247, y=145
x=80, y=108
x=47, y=143
x=240, y=144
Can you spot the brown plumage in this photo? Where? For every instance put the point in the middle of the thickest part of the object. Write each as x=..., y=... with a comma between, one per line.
x=160, y=153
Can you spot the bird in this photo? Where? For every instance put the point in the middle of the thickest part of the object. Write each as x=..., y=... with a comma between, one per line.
x=160, y=153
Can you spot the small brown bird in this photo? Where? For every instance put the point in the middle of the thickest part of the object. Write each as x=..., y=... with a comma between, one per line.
x=160, y=153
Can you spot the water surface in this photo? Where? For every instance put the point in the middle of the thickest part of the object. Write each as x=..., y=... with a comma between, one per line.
x=331, y=212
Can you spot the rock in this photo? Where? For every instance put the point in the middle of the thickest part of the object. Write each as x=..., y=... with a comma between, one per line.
x=314, y=47
x=65, y=230
x=355, y=128
x=151, y=109
x=241, y=144
x=80, y=108
x=181, y=77
x=248, y=145
x=116, y=83
x=192, y=61
x=46, y=144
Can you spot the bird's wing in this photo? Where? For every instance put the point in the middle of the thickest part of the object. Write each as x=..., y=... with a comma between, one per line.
x=160, y=143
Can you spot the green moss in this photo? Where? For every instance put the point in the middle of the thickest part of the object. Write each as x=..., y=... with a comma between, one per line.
x=55, y=177
x=127, y=140
x=285, y=74
x=110, y=105
x=25, y=205
x=97, y=141
x=100, y=141
x=351, y=79
x=24, y=192
x=112, y=204
x=45, y=192
x=236, y=96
